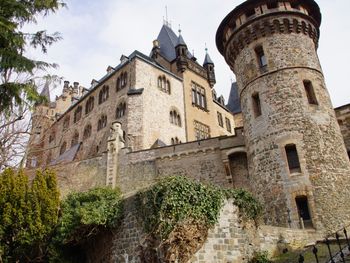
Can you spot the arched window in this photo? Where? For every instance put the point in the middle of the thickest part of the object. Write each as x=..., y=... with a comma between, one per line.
x=125, y=79
x=175, y=118
x=164, y=84
x=103, y=95
x=52, y=137
x=66, y=123
x=63, y=148
x=175, y=141
x=75, y=139
x=102, y=122
x=89, y=106
x=118, y=87
x=77, y=114
x=87, y=132
x=121, y=110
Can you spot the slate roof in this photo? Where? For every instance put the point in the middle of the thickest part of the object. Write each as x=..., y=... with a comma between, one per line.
x=180, y=41
x=167, y=42
x=46, y=92
x=67, y=156
x=207, y=60
x=234, y=104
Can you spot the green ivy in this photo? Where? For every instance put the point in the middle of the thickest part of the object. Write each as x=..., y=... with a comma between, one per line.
x=175, y=200
x=260, y=257
x=83, y=214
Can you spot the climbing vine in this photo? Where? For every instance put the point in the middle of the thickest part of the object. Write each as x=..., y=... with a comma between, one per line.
x=174, y=200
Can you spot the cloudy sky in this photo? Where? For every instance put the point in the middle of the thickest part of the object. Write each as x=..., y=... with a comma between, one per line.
x=96, y=34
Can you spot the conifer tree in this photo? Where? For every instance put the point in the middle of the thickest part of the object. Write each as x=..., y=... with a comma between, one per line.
x=14, y=14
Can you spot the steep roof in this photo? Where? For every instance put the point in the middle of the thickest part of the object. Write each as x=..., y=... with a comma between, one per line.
x=180, y=41
x=234, y=104
x=207, y=59
x=167, y=41
x=46, y=91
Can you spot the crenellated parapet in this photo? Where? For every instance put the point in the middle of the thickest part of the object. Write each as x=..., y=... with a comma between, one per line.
x=253, y=20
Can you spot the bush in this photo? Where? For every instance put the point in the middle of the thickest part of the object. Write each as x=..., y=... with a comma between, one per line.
x=260, y=257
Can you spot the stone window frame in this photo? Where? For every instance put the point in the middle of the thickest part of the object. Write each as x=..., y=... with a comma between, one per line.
x=87, y=131
x=198, y=95
x=310, y=92
x=291, y=152
x=261, y=57
x=75, y=139
x=66, y=122
x=256, y=104
x=164, y=84
x=175, y=141
x=78, y=113
x=220, y=119
x=120, y=110
x=102, y=122
x=63, y=148
x=201, y=130
x=122, y=81
x=228, y=125
x=103, y=94
x=295, y=213
x=175, y=118
x=89, y=105
x=52, y=137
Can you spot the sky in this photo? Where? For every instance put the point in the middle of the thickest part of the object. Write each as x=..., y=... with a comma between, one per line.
x=96, y=34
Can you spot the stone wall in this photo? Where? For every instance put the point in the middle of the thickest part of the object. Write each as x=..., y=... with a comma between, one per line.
x=232, y=240
x=343, y=117
x=277, y=112
x=79, y=176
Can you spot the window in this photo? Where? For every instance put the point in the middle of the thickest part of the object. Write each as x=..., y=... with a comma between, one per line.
x=66, y=123
x=259, y=51
x=175, y=141
x=103, y=95
x=121, y=110
x=89, y=105
x=63, y=148
x=164, y=84
x=303, y=210
x=221, y=123
x=75, y=139
x=198, y=96
x=87, y=132
x=293, y=159
x=122, y=81
x=201, y=130
x=52, y=137
x=310, y=93
x=77, y=114
x=256, y=104
x=102, y=122
x=175, y=118
x=228, y=124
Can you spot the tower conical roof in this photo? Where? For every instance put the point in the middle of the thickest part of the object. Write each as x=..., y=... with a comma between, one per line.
x=180, y=41
x=207, y=60
x=167, y=41
x=234, y=104
x=46, y=91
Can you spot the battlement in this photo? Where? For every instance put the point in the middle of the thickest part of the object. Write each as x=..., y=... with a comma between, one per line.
x=259, y=18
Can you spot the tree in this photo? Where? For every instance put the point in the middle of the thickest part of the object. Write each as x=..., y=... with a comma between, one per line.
x=16, y=91
x=28, y=215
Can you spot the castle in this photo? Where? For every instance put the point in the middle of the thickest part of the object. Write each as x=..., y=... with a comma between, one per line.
x=158, y=115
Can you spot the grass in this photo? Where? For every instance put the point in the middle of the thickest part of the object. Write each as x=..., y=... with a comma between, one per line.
x=323, y=254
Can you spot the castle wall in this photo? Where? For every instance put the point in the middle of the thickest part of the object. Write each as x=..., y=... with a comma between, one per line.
x=343, y=117
x=157, y=105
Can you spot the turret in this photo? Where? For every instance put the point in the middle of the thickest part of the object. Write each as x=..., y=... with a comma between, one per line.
x=181, y=53
x=208, y=64
x=297, y=161
x=156, y=49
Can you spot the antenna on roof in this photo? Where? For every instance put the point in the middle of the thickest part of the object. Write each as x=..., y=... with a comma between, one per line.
x=166, y=21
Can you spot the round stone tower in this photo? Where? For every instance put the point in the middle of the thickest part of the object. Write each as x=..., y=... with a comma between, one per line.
x=298, y=165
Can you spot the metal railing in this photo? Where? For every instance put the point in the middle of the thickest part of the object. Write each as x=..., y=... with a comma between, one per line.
x=342, y=243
